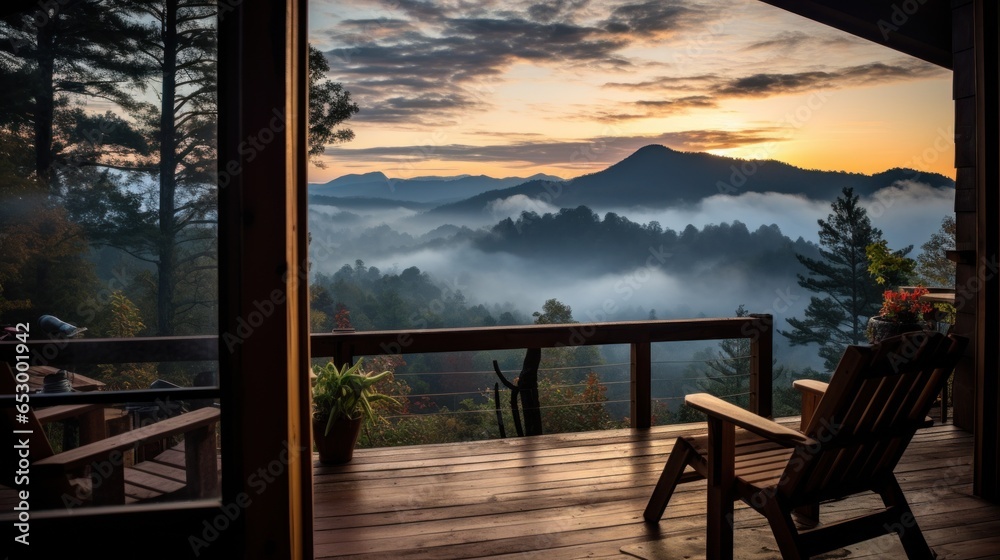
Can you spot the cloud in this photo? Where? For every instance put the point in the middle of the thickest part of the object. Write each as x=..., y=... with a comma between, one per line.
x=701, y=82
x=785, y=41
x=450, y=49
x=512, y=207
x=768, y=84
x=906, y=212
x=709, y=90
x=656, y=18
x=596, y=152
x=657, y=108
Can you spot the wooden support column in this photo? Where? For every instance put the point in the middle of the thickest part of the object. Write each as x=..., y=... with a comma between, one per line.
x=263, y=278
x=986, y=22
x=966, y=210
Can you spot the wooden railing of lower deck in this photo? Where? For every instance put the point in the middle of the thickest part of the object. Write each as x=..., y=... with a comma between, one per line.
x=345, y=347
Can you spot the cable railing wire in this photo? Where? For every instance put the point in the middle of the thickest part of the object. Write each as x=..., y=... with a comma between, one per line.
x=493, y=411
x=580, y=367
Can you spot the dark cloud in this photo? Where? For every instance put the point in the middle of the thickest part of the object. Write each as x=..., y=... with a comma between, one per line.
x=653, y=18
x=710, y=89
x=645, y=109
x=555, y=10
x=429, y=61
x=613, y=148
x=423, y=109
x=767, y=84
x=670, y=83
x=444, y=48
x=423, y=11
x=758, y=85
x=789, y=40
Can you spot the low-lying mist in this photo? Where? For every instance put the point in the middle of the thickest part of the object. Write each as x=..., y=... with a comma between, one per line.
x=662, y=282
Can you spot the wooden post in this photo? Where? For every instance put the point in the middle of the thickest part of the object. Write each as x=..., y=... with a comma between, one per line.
x=641, y=393
x=527, y=382
x=986, y=480
x=761, y=358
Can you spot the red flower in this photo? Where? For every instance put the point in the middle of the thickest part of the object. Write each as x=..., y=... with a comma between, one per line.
x=905, y=306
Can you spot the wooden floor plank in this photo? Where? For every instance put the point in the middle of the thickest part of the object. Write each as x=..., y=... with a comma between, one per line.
x=582, y=495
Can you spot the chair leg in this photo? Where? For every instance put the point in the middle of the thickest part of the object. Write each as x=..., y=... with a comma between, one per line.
x=721, y=474
x=680, y=457
x=909, y=532
x=785, y=533
x=807, y=516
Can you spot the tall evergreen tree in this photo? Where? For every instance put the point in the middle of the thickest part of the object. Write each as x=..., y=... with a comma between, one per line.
x=849, y=292
x=53, y=60
x=180, y=46
x=728, y=368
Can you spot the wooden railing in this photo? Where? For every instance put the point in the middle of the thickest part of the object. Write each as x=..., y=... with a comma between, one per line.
x=345, y=347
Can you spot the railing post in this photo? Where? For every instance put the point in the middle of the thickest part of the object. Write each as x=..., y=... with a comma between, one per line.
x=761, y=358
x=641, y=393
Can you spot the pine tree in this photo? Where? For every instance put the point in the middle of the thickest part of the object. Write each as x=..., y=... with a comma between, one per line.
x=933, y=266
x=330, y=105
x=728, y=373
x=849, y=292
x=55, y=59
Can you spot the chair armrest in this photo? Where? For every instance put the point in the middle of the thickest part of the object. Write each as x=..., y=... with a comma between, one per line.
x=85, y=454
x=811, y=387
x=718, y=408
x=812, y=391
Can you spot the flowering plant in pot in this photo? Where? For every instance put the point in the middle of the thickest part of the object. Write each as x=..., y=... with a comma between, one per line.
x=902, y=311
x=342, y=401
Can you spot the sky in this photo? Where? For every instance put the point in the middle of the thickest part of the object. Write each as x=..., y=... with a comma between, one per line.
x=569, y=87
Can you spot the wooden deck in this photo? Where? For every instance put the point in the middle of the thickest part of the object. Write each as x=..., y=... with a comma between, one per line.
x=582, y=496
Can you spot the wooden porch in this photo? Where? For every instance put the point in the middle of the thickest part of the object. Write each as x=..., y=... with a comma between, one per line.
x=582, y=496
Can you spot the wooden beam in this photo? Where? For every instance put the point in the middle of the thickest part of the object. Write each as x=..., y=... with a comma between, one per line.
x=263, y=277
x=920, y=28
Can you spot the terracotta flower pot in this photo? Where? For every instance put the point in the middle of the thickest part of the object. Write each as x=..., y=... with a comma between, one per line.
x=337, y=447
x=879, y=328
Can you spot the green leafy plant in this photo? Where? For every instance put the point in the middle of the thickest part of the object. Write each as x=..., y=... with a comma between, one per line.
x=884, y=263
x=348, y=392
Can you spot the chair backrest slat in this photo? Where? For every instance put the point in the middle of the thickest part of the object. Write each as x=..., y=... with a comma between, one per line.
x=876, y=400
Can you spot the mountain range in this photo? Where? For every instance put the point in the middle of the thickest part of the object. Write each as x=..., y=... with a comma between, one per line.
x=418, y=189
x=652, y=177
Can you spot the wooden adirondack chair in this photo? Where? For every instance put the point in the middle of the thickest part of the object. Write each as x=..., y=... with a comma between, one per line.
x=95, y=472
x=854, y=432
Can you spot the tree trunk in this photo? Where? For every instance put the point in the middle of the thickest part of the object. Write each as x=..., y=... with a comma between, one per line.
x=166, y=263
x=44, y=104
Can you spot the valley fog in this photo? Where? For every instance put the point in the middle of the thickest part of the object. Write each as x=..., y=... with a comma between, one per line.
x=660, y=282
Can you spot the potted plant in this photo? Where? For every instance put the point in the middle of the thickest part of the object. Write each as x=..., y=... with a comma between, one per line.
x=342, y=401
x=902, y=311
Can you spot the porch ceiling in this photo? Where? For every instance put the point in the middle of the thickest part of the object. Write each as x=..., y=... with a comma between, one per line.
x=919, y=28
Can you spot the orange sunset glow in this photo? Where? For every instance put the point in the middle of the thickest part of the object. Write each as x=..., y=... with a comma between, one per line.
x=567, y=88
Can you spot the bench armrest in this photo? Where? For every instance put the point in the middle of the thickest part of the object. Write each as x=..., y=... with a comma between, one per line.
x=177, y=425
